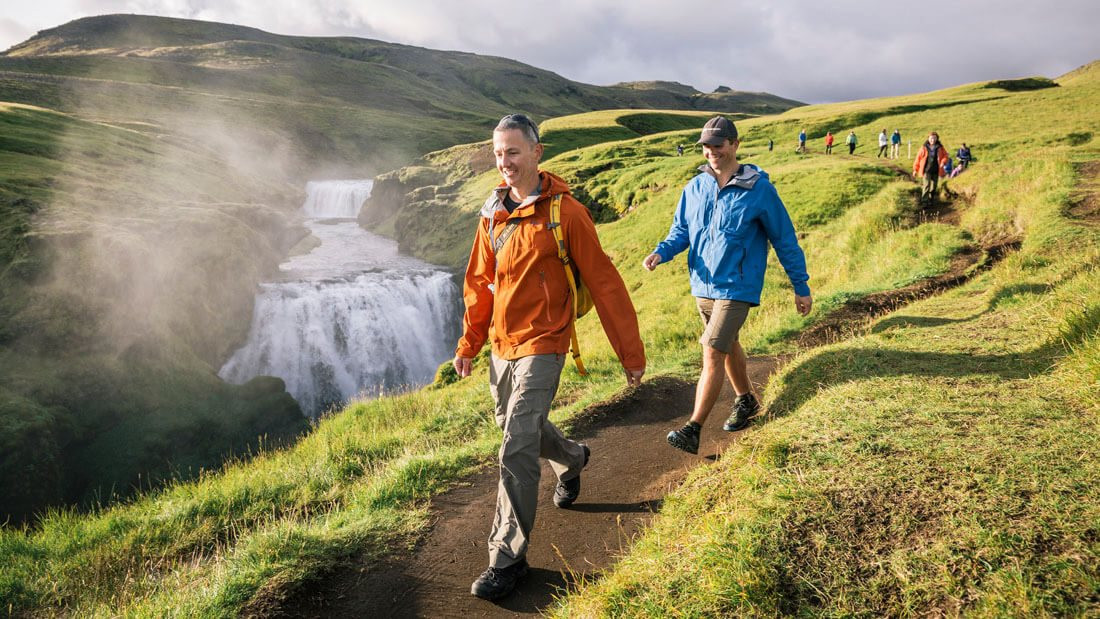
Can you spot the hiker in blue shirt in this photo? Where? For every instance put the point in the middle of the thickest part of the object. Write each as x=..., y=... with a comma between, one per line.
x=726, y=217
x=802, y=141
x=963, y=155
x=895, y=141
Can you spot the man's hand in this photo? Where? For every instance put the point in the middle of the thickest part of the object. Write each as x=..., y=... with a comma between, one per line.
x=634, y=377
x=651, y=261
x=803, y=304
x=463, y=366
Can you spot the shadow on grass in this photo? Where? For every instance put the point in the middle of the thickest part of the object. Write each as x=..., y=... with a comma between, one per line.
x=919, y=322
x=1016, y=290
x=556, y=142
x=836, y=367
x=1003, y=294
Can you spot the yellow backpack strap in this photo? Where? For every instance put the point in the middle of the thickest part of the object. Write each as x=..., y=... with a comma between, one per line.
x=555, y=226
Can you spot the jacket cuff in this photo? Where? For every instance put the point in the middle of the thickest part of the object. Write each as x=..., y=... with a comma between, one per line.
x=802, y=289
x=467, y=351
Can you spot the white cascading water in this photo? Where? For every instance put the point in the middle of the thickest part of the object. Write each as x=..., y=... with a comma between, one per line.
x=335, y=199
x=352, y=317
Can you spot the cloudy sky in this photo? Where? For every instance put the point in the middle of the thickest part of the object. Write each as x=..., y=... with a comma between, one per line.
x=811, y=50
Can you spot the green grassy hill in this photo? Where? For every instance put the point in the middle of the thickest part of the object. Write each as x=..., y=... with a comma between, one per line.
x=943, y=459
x=427, y=206
x=347, y=103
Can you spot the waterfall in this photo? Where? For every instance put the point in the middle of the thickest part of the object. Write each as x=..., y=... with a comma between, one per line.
x=333, y=340
x=335, y=199
x=353, y=317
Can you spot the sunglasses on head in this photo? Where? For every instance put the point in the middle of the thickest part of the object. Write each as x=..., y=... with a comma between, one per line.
x=522, y=119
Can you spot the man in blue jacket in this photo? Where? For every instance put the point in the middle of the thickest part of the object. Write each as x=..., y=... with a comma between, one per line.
x=726, y=217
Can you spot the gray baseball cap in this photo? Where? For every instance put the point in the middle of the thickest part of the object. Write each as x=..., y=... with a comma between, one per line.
x=717, y=130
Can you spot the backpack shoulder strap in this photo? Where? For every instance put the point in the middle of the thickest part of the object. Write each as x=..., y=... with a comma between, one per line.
x=556, y=228
x=502, y=238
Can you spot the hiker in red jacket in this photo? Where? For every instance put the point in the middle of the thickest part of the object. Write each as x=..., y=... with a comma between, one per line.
x=517, y=294
x=929, y=166
x=829, y=143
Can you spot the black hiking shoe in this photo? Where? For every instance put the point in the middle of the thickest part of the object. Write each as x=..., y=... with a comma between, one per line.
x=686, y=438
x=745, y=408
x=497, y=582
x=568, y=490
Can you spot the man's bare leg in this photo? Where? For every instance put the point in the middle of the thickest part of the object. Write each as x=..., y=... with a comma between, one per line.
x=710, y=383
x=737, y=369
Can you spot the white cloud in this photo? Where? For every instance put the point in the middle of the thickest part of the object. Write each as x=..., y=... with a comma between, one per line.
x=804, y=49
x=13, y=31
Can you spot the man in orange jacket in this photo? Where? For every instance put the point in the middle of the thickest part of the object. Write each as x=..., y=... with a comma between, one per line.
x=517, y=294
x=929, y=166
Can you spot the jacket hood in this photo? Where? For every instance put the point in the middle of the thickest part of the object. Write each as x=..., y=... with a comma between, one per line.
x=745, y=178
x=549, y=184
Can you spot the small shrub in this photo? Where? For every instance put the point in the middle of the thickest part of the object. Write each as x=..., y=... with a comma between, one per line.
x=1027, y=83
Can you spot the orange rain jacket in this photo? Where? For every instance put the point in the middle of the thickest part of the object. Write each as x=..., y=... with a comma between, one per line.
x=522, y=292
x=922, y=156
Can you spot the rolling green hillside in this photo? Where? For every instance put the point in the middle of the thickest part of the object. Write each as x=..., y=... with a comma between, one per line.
x=347, y=103
x=940, y=459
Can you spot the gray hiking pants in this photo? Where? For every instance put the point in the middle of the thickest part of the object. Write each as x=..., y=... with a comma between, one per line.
x=522, y=390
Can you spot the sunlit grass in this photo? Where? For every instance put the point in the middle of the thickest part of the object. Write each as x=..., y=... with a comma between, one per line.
x=946, y=461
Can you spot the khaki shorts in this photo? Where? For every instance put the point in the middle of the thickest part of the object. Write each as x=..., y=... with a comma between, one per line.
x=722, y=319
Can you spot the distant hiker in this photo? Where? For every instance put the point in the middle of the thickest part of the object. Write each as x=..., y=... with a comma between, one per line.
x=963, y=155
x=957, y=170
x=929, y=166
x=883, y=143
x=947, y=167
x=801, y=141
x=771, y=144
x=829, y=143
x=851, y=142
x=679, y=150
x=895, y=141
x=726, y=217
x=517, y=294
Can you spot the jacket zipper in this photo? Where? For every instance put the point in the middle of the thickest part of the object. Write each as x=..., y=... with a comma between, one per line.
x=715, y=229
x=546, y=293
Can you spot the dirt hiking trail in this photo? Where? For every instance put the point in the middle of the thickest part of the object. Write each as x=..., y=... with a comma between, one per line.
x=631, y=469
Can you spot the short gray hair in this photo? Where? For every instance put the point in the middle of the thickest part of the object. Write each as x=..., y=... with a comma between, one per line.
x=519, y=121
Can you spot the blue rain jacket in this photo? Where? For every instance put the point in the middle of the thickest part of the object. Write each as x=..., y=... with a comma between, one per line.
x=726, y=232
